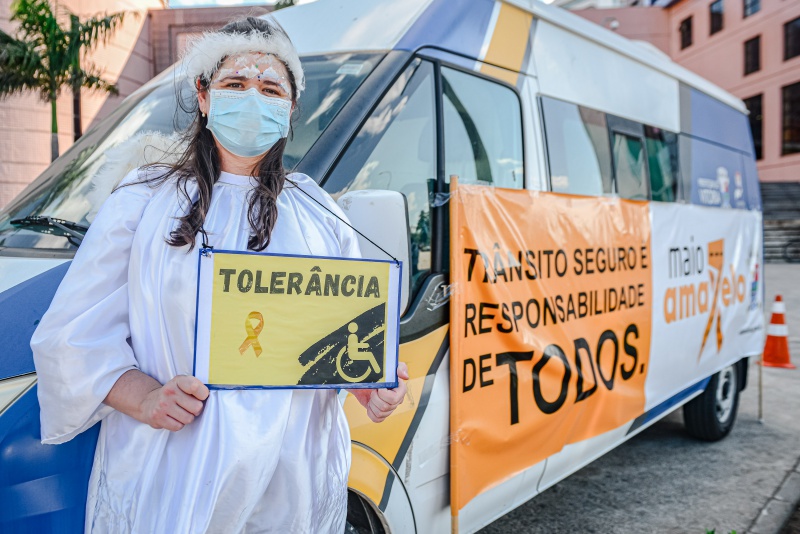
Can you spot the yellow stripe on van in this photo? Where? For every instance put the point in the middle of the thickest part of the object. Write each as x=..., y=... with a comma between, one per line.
x=368, y=474
x=509, y=41
x=386, y=438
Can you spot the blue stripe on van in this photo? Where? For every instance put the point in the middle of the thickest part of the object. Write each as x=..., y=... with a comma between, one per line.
x=21, y=309
x=717, y=153
x=667, y=405
x=719, y=123
x=751, y=184
x=457, y=25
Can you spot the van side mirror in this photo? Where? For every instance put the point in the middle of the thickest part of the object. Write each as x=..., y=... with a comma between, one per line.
x=383, y=217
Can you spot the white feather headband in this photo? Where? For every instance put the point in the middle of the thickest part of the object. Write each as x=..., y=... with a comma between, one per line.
x=204, y=55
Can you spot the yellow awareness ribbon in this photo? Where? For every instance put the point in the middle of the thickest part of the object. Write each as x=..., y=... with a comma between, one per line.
x=252, y=333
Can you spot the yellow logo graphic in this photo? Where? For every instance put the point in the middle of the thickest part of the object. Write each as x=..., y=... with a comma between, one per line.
x=712, y=296
x=252, y=333
x=716, y=261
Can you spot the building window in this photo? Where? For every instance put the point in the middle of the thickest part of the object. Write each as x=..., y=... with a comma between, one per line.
x=791, y=39
x=686, y=33
x=752, y=55
x=751, y=7
x=791, y=119
x=715, y=12
x=756, y=117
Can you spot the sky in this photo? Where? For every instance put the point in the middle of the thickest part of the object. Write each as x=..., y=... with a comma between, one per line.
x=208, y=3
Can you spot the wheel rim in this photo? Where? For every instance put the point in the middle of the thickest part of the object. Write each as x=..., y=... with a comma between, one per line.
x=726, y=392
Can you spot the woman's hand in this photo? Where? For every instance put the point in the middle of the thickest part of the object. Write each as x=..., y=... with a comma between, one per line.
x=380, y=403
x=175, y=404
x=171, y=406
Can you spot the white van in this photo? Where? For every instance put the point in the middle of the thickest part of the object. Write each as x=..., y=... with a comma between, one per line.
x=402, y=94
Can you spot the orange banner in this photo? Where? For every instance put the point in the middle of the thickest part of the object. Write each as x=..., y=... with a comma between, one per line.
x=550, y=327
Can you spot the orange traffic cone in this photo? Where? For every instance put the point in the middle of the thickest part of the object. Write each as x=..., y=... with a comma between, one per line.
x=776, y=350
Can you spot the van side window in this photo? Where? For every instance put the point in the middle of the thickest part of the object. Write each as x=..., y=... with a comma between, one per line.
x=396, y=150
x=482, y=131
x=577, y=148
x=629, y=163
x=662, y=159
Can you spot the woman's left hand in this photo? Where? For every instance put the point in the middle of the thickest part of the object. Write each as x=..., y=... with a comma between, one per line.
x=380, y=403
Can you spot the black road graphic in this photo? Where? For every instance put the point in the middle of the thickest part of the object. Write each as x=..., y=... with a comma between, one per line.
x=350, y=354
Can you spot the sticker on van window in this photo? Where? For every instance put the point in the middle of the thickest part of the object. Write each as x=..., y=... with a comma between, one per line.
x=351, y=67
x=717, y=176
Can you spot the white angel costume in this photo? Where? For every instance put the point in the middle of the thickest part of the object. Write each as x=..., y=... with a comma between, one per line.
x=253, y=461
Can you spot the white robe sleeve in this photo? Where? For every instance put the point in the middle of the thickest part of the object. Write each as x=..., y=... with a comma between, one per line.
x=80, y=347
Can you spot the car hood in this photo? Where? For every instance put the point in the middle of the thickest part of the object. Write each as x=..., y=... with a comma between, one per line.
x=27, y=286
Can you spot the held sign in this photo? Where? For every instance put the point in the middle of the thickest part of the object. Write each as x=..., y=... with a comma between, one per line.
x=280, y=321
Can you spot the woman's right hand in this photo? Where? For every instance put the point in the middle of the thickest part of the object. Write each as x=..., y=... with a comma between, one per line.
x=175, y=404
x=171, y=406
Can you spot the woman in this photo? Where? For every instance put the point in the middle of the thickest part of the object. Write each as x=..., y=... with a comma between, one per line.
x=117, y=342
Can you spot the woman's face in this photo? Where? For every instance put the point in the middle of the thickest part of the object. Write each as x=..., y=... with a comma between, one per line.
x=264, y=72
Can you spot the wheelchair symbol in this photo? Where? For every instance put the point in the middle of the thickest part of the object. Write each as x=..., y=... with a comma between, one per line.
x=356, y=351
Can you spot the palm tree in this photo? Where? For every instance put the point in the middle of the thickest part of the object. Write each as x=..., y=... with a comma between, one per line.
x=44, y=57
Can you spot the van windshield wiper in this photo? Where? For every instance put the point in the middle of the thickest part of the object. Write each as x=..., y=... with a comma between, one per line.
x=73, y=231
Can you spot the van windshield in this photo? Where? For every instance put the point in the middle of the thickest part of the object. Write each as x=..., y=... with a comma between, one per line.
x=62, y=191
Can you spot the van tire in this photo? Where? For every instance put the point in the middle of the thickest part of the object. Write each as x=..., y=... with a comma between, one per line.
x=710, y=416
x=361, y=517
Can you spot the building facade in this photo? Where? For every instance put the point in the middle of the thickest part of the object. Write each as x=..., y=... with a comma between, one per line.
x=25, y=119
x=751, y=48
x=573, y=5
x=151, y=38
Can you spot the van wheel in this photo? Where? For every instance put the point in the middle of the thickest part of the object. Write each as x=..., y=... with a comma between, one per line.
x=361, y=517
x=711, y=415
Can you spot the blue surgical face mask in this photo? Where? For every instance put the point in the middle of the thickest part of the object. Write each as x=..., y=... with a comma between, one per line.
x=248, y=123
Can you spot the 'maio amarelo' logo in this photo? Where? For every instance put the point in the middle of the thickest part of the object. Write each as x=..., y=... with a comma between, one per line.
x=712, y=296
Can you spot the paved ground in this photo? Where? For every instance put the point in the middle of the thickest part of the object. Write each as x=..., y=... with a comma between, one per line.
x=664, y=481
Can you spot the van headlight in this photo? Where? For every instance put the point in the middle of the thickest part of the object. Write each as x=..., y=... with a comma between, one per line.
x=12, y=388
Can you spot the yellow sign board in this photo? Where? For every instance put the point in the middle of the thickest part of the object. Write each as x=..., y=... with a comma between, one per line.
x=267, y=320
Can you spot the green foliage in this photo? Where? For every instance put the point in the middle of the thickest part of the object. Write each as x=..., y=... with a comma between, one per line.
x=714, y=531
x=45, y=56
x=20, y=66
x=280, y=4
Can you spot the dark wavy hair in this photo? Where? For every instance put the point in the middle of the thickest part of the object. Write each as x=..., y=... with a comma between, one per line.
x=201, y=163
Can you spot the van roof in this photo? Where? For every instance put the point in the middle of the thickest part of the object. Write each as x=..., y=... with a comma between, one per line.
x=642, y=52
x=328, y=26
